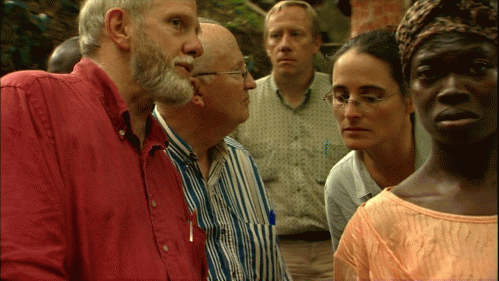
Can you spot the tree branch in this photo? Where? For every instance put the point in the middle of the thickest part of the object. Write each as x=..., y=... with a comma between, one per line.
x=255, y=8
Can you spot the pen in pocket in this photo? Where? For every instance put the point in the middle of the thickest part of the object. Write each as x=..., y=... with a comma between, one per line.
x=272, y=217
x=191, y=226
x=191, y=236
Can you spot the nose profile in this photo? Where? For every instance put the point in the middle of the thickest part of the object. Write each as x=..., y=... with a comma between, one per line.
x=250, y=82
x=352, y=109
x=194, y=47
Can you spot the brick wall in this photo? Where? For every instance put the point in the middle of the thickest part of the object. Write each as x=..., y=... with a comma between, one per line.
x=374, y=14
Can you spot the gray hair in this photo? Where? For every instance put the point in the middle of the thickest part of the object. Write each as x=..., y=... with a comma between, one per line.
x=312, y=15
x=91, y=21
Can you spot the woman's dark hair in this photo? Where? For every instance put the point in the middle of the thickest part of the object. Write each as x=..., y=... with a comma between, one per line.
x=380, y=44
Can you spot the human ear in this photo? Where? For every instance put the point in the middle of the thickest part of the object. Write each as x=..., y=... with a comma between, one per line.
x=317, y=43
x=118, y=28
x=409, y=106
x=268, y=51
x=197, y=98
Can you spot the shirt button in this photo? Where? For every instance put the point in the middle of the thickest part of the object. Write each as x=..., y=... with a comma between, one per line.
x=153, y=203
x=165, y=248
x=122, y=132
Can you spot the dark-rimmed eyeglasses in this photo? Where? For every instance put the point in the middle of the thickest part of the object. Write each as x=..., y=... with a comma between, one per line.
x=367, y=104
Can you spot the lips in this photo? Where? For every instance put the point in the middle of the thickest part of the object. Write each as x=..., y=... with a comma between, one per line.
x=355, y=129
x=285, y=60
x=188, y=67
x=455, y=115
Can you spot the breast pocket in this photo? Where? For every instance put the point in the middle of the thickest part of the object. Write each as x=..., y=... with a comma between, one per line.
x=266, y=157
x=324, y=156
x=191, y=246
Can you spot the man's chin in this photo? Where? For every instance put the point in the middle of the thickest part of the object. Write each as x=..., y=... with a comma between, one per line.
x=286, y=70
x=178, y=97
x=178, y=100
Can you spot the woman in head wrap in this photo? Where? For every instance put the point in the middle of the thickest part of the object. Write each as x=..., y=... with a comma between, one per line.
x=441, y=222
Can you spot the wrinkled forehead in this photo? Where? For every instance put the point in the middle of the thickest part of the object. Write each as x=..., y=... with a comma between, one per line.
x=289, y=17
x=452, y=45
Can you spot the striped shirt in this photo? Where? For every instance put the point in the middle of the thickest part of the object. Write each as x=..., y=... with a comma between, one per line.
x=234, y=210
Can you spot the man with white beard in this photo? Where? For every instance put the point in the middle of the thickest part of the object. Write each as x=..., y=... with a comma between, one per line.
x=88, y=192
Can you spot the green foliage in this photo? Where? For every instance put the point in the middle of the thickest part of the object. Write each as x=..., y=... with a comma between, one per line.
x=24, y=36
x=32, y=28
x=246, y=24
x=30, y=31
x=234, y=14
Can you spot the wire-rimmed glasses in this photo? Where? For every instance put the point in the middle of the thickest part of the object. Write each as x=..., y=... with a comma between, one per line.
x=244, y=73
x=368, y=102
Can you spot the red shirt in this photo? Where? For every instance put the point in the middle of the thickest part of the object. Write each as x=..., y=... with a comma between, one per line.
x=79, y=199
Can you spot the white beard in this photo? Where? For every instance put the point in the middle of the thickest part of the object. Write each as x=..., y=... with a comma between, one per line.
x=155, y=72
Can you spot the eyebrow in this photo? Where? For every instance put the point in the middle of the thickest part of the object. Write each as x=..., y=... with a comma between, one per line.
x=338, y=87
x=372, y=87
x=285, y=28
x=362, y=88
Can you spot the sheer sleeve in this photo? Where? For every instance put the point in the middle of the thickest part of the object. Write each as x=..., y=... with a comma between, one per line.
x=343, y=270
x=351, y=261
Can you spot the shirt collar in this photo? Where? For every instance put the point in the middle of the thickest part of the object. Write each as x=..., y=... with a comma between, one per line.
x=107, y=92
x=180, y=146
x=183, y=149
x=364, y=184
x=275, y=89
x=113, y=103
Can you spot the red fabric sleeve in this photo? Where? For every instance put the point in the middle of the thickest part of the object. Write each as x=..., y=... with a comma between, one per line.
x=32, y=222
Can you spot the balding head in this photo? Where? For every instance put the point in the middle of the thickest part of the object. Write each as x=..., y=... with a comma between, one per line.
x=221, y=83
x=65, y=56
x=219, y=45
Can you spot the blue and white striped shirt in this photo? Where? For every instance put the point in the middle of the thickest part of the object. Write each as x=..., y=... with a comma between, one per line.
x=234, y=210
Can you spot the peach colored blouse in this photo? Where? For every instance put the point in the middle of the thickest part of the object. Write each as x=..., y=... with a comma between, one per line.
x=389, y=238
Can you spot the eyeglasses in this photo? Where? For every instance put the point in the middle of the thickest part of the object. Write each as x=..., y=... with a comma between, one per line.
x=244, y=73
x=367, y=104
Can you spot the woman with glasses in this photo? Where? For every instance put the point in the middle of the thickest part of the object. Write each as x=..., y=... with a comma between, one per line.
x=375, y=119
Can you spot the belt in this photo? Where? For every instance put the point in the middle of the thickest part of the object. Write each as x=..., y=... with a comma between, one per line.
x=309, y=236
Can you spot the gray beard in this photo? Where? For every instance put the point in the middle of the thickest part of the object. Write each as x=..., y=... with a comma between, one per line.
x=155, y=72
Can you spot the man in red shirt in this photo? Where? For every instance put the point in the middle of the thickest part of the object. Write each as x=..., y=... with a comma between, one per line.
x=88, y=192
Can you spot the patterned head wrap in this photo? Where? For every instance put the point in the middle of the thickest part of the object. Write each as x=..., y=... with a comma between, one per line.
x=428, y=17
